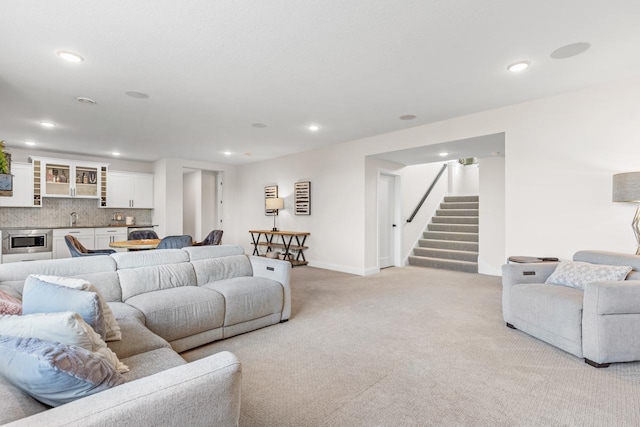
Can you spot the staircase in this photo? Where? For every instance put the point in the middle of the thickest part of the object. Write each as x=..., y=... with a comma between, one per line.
x=451, y=239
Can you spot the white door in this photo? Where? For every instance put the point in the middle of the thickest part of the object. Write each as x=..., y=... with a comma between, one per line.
x=386, y=217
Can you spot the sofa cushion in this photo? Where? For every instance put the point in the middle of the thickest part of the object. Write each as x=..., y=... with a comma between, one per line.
x=136, y=339
x=212, y=269
x=15, y=273
x=152, y=362
x=179, y=312
x=249, y=298
x=126, y=260
x=212, y=251
x=54, y=373
x=577, y=274
x=9, y=303
x=122, y=310
x=65, y=328
x=106, y=283
x=142, y=280
x=549, y=312
x=43, y=297
x=16, y=404
x=112, y=330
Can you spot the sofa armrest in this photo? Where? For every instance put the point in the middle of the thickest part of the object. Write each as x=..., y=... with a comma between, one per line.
x=515, y=274
x=201, y=393
x=611, y=321
x=277, y=270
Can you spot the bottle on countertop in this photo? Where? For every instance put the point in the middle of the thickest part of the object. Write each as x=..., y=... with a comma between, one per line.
x=85, y=178
x=77, y=178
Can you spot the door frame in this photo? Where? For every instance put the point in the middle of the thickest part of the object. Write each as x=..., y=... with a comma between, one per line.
x=397, y=215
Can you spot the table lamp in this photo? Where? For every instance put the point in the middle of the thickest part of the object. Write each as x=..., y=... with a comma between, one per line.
x=626, y=188
x=275, y=203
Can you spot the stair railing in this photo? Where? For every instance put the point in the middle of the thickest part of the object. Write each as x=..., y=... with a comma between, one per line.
x=433, y=184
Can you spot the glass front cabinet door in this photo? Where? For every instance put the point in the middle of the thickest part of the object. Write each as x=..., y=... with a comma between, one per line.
x=64, y=178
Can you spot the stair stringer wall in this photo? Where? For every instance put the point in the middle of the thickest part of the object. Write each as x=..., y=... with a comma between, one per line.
x=415, y=182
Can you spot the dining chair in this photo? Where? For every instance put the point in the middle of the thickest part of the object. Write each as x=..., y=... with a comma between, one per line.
x=213, y=238
x=175, y=242
x=142, y=235
x=77, y=249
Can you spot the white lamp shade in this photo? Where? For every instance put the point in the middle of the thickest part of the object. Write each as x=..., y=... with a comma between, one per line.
x=626, y=187
x=274, y=203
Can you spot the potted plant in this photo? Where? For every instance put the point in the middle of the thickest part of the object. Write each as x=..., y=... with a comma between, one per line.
x=6, y=179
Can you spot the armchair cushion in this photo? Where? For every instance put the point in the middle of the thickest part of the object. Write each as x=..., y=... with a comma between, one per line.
x=577, y=274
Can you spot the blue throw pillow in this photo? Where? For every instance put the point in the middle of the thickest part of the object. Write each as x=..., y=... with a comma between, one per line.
x=39, y=296
x=54, y=373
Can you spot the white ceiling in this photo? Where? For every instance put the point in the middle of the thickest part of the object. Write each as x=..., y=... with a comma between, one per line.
x=213, y=68
x=479, y=146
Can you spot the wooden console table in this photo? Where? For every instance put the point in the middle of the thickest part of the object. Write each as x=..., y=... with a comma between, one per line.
x=286, y=237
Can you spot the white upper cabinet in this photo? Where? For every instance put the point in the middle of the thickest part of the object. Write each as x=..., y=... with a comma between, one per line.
x=22, y=186
x=70, y=178
x=129, y=190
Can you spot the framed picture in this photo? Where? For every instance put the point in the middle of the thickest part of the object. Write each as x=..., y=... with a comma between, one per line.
x=302, y=198
x=271, y=192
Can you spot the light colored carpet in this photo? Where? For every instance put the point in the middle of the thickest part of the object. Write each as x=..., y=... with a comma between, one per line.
x=415, y=346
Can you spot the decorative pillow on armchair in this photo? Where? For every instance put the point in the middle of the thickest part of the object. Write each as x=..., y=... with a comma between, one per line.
x=577, y=274
x=54, y=373
x=112, y=329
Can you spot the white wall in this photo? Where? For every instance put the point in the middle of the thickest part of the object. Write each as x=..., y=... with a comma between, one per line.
x=491, y=253
x=463, y=180
x=416, y=179
x=208, y=198
x=561, y=153
x=192, y=204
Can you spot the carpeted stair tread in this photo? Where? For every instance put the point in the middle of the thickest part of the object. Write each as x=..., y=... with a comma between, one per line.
x=471, y=256
x=448, y=244
x=455, y=219
x=448, y=235
x=457, y=228
x=457, y=212
x=460, y=205
x=469, y=267
x=461, y=199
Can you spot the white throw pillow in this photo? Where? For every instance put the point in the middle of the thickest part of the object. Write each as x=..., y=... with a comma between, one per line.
x=577, y=274
x=111, y=325
x=65, y=327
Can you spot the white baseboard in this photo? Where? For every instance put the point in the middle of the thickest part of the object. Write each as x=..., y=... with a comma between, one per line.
x=337, y=267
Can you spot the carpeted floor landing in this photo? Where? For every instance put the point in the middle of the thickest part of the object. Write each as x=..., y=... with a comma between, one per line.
x=415, y=346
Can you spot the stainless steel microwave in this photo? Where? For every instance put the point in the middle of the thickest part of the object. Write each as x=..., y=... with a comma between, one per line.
x=26, y=241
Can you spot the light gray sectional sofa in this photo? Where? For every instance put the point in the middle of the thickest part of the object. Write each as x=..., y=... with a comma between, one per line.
x=600, y=324
x=166, y=302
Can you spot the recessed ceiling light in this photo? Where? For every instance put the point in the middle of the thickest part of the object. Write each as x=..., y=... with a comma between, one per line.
x=313, y=128
x=259, y=125
x=570, y=50
x=30, y=142
x=83, y=100
x=519, y=66
x=115, y=153
x=69, y=56
x=137, y=95
x=48, y=124
x=407, y=117
x=227, y=153
x=443, y=154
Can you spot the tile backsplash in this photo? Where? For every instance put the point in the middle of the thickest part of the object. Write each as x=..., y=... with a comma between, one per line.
x=55, y=213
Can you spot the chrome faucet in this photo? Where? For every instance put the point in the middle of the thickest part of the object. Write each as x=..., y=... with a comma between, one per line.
x=73, y=220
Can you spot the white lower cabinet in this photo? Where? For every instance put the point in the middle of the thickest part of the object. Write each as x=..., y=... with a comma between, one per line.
x=106, y=235
x=86, y=236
